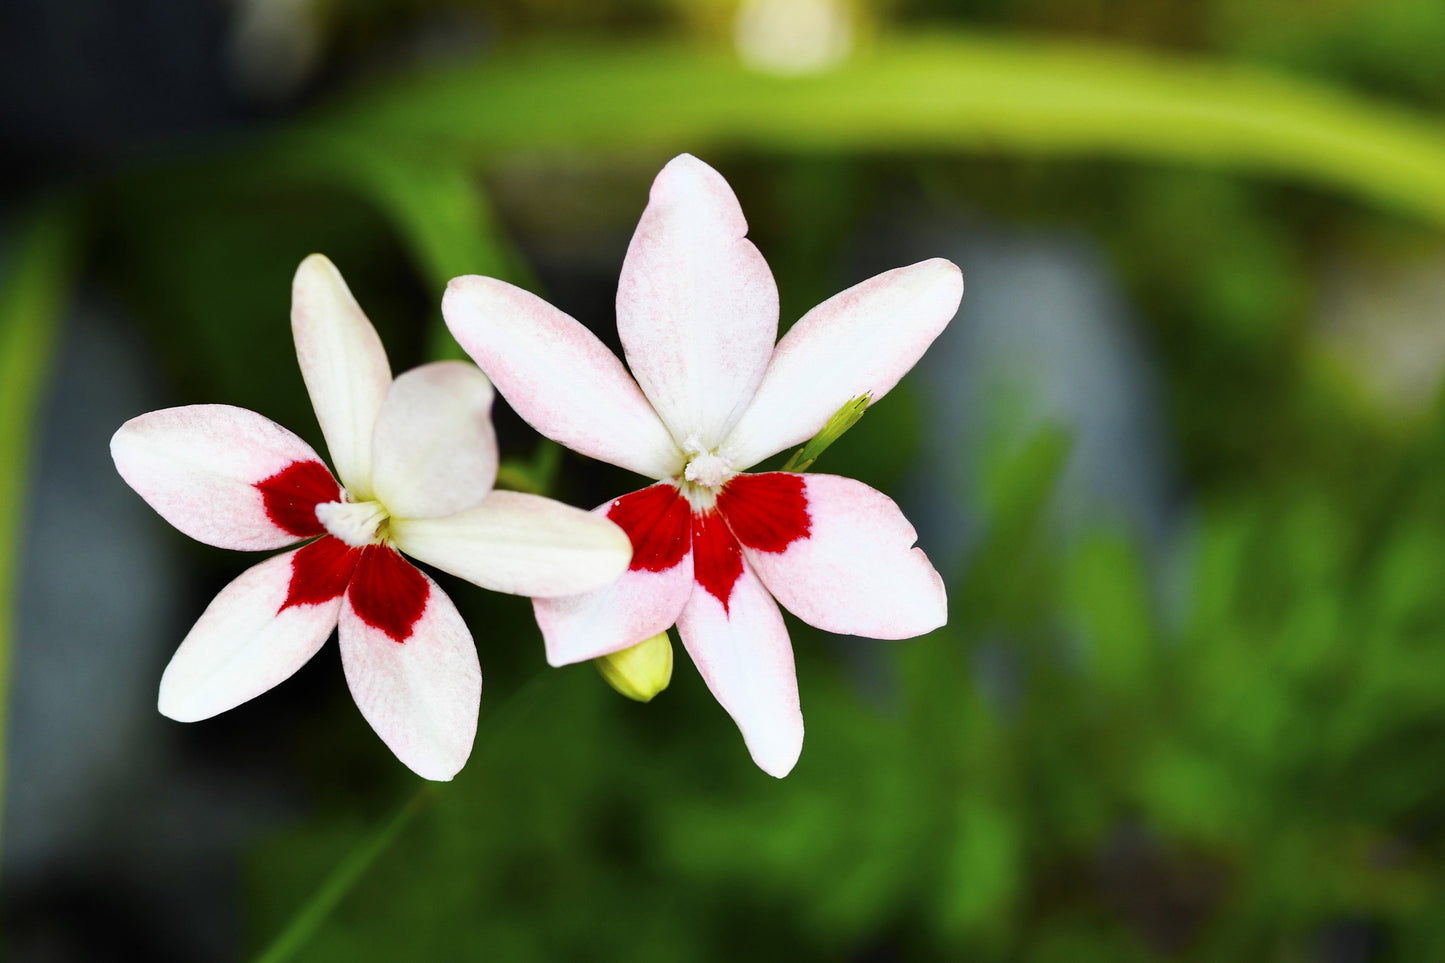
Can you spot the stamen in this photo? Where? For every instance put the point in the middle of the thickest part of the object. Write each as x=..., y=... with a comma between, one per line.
x=355, y=523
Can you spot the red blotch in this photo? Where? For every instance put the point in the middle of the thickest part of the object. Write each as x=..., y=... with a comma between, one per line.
x=766, y=512
x=319, y=572
x=292, y=494
x=388, y=592
x=656, y=520
x=717, y=562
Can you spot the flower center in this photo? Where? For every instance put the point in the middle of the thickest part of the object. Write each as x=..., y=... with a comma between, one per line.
x=358, y=524
x=705, y=468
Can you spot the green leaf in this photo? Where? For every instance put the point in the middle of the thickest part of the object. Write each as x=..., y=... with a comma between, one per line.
x=924, y=92
x=435, y=200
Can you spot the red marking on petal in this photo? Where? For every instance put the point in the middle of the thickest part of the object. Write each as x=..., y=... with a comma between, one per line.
x=717, y=562
x=292, y=494
x=657, y=520
x=319, y=572
x=388, y=592
x=766, y=512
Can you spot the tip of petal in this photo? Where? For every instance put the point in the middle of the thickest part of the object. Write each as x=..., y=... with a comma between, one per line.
x=177, y=707
x=946, y=271
x=776, y=758
x=316, y=266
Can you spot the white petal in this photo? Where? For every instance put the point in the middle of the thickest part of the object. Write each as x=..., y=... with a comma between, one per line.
x=558, y=376
x=746, y=659
x=697, y=307
x=244, y=643
x=198, y=467
x=521, y=544
x=635, y=607
x=860, y=341
x=434, y=452
x=421, y=695
x=857, y=572
x=344, y=366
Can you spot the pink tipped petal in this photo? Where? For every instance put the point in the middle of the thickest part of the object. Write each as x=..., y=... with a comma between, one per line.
x=857, y=572
x=344, y=366
x=434, y=452
x=558, y=376
x=645, y=600
x=697, y=307
x=246, y=641
x=636, y=607
x=420, y=695
x=520, y=544
x=744, y=655
x=225, y=476
x=860, y=341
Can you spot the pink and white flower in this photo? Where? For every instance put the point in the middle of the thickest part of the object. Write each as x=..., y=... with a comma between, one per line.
x=714, y=546
x=417, y=458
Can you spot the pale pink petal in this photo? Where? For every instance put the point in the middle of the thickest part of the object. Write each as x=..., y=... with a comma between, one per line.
x=744, y=655
x=200, y=466
x=246, y=641
x=420, y=694
x=856, y=572
x=344, y=366
x=558, y=376
x=697, y=307
x=639, y=605
x=646, y=599
x=521, y=544
x=434, y=452
x=860, y=341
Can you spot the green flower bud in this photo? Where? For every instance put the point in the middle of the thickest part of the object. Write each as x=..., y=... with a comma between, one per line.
x=641, y=671
x=843, y=419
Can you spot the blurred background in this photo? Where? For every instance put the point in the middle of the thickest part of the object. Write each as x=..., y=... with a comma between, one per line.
x=1179, y=457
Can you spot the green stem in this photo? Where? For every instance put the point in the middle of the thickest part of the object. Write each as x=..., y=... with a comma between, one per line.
x=312, y=915
x=32, y=296
x=329, y=894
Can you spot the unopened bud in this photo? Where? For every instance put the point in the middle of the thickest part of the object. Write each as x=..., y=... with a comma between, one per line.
x=639, y=672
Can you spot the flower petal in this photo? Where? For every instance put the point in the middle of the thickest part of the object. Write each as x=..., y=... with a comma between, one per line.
x=521, y=544
x=344, y=366
x=744, y=655
x=248, y=639
x=856, y=572
x=434, y=452
x=645, y=600
x=862, y=340
x=697, y=307
x=421, y=695
x=225, y=476
x=558, y=376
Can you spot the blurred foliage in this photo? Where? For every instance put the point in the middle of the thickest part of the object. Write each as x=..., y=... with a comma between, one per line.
x=33, y=293
x=1088, y=763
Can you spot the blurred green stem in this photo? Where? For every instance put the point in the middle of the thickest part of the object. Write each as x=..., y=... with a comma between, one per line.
x=313, y=915
x=32, y=295
x=309, y=919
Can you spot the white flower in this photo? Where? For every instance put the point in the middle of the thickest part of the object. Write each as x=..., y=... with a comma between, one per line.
x=417, y=457
x=697, y=311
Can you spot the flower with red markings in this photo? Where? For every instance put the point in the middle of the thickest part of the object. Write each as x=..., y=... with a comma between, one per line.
x=710, y=395
x=416, y=458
